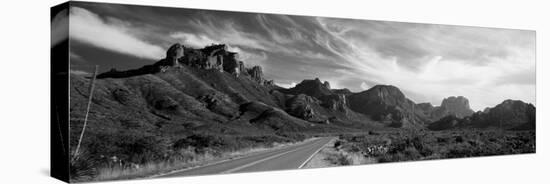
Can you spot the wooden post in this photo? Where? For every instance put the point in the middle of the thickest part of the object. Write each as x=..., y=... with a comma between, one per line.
x=91, y=94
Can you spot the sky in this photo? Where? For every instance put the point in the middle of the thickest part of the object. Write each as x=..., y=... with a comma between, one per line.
x=428, y=62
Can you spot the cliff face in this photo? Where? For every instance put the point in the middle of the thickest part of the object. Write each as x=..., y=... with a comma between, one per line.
x=213, y=57
x=457, y=106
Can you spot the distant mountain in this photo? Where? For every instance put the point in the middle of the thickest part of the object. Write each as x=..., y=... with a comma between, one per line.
x=388, y=104
x=458, y=106
x=510, y=114
x=314, y=101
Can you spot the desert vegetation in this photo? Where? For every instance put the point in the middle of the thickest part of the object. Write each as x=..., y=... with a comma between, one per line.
x=128, y=155
x=396, y=146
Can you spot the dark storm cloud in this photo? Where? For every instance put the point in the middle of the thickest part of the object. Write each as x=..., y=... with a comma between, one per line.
x=428, y=62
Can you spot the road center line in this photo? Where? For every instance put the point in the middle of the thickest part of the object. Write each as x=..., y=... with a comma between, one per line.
x=259, y=161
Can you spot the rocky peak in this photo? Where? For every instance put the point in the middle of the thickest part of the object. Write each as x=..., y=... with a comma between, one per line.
x=314, y=88
x=256, y=74
x=326, y=84
x=386, y=94
x=175, y=51
x=343, y=91
x=386, y=103
x=455, y=102
x=458, y=106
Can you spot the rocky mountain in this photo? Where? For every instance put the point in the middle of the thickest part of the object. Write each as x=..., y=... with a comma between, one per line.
x=314, y=101
x=210, y=87
x=510, y=114
x=388, y=104
x=314, y=88
x=199, y=92
x=207, y=91
x=457, y=106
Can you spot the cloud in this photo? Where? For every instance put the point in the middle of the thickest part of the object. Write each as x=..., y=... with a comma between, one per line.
x=194, y=40
x=111, y=34
x=364, y=86
x=436, y=61
x=427, y=62
x=286, y=85
x=75, y=57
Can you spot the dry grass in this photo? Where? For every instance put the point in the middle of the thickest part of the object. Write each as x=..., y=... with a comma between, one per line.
x=332, y=155
x=189, y=159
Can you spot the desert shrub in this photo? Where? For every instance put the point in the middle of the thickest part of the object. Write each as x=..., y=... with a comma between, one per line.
x=294, y=136
x=459, y=139
x=343, y=158
x=83, y=167
x=338, y=143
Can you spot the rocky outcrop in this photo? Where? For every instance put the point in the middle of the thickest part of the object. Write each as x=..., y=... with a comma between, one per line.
x=343, y=91
x=314, y=88
x=212, y=57
x=335, y=102
x=327, y=85
x=256, y=74
x=457, y=106
x=174, y=53
x=301, y=106
x=231, y=64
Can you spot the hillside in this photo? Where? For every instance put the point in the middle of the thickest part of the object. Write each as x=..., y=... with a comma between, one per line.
x=389, y=105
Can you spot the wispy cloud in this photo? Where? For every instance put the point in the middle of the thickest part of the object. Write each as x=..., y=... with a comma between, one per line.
x=435, y=61
x=111, y=34
x=427, y=62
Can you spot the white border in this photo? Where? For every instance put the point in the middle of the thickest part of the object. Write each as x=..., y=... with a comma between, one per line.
x=25, y=90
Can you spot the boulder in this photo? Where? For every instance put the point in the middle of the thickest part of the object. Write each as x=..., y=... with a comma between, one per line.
x=458, y=106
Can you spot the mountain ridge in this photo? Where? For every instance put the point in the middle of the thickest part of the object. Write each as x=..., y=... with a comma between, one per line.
x=312, y=100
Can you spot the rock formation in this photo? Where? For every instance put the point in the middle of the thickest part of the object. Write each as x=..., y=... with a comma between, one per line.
x=327, y=85
x=231, y=63
x=212, y=57
x=174, y=53
x=300, y=106
x=256, y=74
x=312, y=88
x=458, y=106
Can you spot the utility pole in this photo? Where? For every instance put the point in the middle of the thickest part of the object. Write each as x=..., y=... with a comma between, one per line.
x=91, y=94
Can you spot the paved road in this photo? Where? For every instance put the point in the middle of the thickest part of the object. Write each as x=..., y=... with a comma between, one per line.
x=292, y=157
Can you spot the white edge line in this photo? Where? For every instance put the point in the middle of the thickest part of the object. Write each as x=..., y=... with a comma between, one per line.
x=312, y=155
x=214, y=163
x=258, y=161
